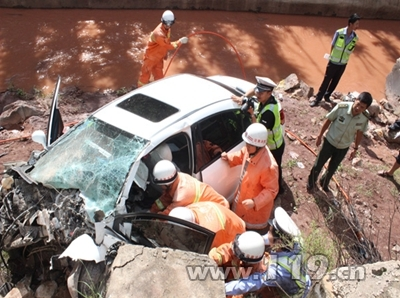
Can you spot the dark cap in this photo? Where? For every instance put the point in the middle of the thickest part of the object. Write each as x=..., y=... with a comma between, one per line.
x=354, y=18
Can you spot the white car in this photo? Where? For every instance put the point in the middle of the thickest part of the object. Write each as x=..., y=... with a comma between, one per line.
x=109, y=156
x=91, y=187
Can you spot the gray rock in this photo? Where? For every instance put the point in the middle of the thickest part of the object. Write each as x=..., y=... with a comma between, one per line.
x=356, y=162
x=18, y=112
x=46, y=289
x=374, y=109
x=392, y=84
x=291, y=82
x=371, y=280
x=139, y=271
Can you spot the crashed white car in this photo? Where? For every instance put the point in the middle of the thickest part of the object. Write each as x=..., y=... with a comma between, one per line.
x=100, y=169
x=106, y=157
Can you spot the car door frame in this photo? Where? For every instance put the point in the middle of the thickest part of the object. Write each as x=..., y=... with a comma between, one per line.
x=218, y=174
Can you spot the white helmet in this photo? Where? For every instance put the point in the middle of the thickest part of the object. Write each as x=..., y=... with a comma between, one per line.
x=164, y=172
x=168, y=18
x=256, y=134
x=183, y=213
x=284, y=224
x=163, y=152
x=249, y=247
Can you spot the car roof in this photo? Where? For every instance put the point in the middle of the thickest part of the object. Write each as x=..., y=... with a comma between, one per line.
x=188, y=93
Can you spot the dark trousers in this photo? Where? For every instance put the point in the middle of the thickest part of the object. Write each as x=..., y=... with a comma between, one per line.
x=327, y=151
x=278, y=153
x=333, y=73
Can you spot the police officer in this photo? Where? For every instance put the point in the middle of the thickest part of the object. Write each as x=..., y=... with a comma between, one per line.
x=343, y=44
x=346, y=123
x=269, y=113
x=285, y=270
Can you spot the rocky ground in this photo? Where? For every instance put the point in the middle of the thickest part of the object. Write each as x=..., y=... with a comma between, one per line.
x=357, y=222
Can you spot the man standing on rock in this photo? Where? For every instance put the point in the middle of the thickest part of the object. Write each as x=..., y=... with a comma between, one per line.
x=346, y=123
x=157, y=48
x=343, y=44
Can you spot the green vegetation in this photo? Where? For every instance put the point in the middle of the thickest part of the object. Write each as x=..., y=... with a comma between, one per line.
x=291, y=163
x=91, y=291
x=38, y=93
x=18, y=91
x=122, y=91
x=320, y=248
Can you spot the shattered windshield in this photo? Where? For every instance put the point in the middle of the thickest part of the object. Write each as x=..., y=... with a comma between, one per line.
x=95, y=158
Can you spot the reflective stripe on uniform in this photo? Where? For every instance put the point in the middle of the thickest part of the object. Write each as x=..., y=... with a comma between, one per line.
x=341, y=52
x=285, y=264
x=275, y=136
x=159, y=204
x=197, y=196
x=220, y=216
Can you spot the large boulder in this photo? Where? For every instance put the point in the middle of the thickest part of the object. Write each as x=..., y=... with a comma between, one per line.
x=392, y=84
x=297, y=88
x=372, y=280
x=139, y=271
x=17, y=112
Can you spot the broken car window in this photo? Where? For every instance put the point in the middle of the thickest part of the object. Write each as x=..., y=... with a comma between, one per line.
x=95, y=158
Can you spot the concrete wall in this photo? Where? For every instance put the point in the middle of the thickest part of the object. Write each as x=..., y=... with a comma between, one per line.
x=375, y=9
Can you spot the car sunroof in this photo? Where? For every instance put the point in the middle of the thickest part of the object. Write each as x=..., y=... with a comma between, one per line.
x=147, y=107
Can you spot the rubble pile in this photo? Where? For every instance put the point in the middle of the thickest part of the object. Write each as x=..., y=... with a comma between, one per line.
x=37, y=224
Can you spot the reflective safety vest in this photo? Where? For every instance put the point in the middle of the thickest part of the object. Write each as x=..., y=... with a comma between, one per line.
x=341, y=52
x=294, y=264
x=275, y=136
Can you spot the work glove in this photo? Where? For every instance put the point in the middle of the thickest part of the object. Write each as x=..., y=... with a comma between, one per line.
x=161, y=203
x=183, y=40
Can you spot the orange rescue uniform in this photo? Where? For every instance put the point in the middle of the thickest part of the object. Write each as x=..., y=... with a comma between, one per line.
x=156, y=51
x=259, y=183
x=224, y=256
x=219, y=219
x=186, y=190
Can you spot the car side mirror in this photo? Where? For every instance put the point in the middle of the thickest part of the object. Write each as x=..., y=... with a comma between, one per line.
x=38, y=136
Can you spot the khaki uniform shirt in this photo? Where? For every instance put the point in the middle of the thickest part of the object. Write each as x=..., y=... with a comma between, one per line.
x=342, y=131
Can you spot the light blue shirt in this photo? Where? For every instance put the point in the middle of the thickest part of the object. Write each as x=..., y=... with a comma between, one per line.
x=275, y=276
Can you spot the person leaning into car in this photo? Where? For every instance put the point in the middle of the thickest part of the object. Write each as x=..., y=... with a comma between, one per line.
x=215, y=217
x=180, y=189
x=258, y=184
x=267, y=113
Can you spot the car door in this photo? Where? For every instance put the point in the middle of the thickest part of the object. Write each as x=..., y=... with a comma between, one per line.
x=158, y=230
x=221, y=132
x=55, y=125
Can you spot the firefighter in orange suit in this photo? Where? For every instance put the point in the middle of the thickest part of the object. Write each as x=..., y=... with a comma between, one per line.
x=158, y=45
x=180, y=189
x=258, y=185
x=215, y=217
x=242, y=256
